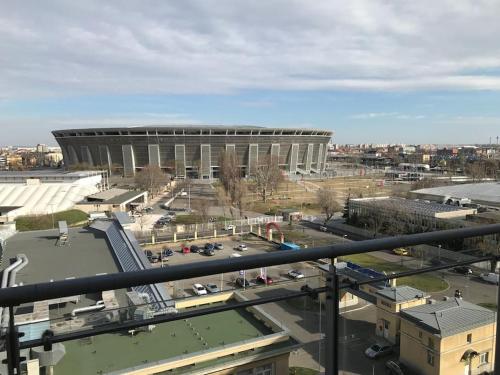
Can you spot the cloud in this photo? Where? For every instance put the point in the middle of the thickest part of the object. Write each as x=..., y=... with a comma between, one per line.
x=222, y=46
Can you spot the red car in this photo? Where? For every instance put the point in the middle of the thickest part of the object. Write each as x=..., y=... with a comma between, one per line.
x=264, y=280
x=185, y=249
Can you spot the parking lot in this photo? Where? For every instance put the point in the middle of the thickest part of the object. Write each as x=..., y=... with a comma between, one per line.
x=227, y=281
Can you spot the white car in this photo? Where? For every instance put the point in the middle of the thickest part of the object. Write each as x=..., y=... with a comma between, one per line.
x=199, y=290
x=184, y=194
x=295, y=274
x=490, y=277
x=229, y=227
x=378, y=350
x=241, y=247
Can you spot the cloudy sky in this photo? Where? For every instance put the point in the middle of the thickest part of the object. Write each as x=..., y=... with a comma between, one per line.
x=372, y=71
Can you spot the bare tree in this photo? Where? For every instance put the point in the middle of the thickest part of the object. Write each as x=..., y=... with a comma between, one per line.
x=222, y=199
x=328, y=203
x=152, y=179
x=230, y=177
x=202, y=206
x=268, y=176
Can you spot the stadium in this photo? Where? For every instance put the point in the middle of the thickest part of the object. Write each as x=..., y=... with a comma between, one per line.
x=194, y=151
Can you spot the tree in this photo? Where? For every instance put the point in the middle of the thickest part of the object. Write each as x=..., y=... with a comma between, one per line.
x=230, y=177
x=152, y=179
x=267, y=176
x=202, y=206
x=328, y=203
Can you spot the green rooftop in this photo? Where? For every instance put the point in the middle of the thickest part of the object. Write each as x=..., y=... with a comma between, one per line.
x=115, y=352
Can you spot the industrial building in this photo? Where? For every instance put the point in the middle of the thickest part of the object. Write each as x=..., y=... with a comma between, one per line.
x=45, y=191
x=483, y=193
x=235, y=341
x=195, y=151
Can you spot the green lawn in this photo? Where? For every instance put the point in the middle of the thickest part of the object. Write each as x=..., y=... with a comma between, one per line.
x=194, y=219
x=427, y=283
x=488, y=305
x=40, y=222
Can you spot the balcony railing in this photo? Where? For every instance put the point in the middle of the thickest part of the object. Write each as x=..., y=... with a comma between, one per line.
x=12, y=297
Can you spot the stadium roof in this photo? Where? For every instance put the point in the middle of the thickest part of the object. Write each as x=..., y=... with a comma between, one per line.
x=447, y=318
x=484, y=192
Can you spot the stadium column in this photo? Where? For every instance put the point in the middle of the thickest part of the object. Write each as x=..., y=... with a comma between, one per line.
x=325, y=154
x=128, y=161
x=309, y=156
x=180, y=161
x=86, y=155
x=73, y=157
x=105, y=156
x=294, y=156
x=206, y=161
x=319, y=164
x=275, y=151
x=253, y=158
x=154, y=154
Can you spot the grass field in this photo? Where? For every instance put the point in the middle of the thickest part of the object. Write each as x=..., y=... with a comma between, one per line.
x=194, y=219
x=40, y=222
x=427, y=283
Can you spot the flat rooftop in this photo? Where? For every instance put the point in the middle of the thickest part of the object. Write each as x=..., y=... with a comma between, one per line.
x=411, y=205
x=402, y=293
x=484, y=192
x=116, y=352
x=86, y=254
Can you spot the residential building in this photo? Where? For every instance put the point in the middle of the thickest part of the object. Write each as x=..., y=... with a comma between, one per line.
x=450, y=337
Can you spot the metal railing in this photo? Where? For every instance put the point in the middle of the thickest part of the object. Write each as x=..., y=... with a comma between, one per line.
x=11, y=297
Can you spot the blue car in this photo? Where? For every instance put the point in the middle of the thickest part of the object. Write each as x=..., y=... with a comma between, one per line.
x=167, y=253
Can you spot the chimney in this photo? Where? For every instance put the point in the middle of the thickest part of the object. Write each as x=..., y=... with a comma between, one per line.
x=392, y=282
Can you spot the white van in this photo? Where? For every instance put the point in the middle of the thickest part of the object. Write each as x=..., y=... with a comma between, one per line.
x=490, y=277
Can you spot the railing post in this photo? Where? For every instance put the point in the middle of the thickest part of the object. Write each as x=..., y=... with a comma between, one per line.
x=332, y=315
x=12, y=346
x=497, y=333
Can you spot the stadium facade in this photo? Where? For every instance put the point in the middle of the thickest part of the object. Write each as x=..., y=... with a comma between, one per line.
x=195, y=151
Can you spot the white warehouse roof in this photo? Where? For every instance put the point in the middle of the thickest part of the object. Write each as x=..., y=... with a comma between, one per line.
x=484, y=192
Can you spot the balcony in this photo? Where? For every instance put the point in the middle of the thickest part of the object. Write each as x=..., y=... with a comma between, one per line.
x=323, y=321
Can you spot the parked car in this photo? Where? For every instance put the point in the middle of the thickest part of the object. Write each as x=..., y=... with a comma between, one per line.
x=218, y=246
x=378, y=350
x=463, y=270
x=229, y=227
x=166, y=252
x=184, y=194
x=241, y=247
x=323, y=228
x=212, y=288
x=199, y=289
x=185, y=249
x=295, y=274
x=490, y=277
x=394, y=368
x=152, y=257
x=194, y=249
x=241, y=282
x=209, y=246
x=268, y=280
x=401, y=251
x=209, y=252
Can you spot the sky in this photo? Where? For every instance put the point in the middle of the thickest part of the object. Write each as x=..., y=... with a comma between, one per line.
x=372, y=71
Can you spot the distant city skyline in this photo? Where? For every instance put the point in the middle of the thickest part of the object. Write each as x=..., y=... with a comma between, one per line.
x=371, y=71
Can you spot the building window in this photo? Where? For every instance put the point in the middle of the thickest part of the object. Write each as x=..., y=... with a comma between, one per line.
x=264, y=370
x=386, y=304
x=430, y=358
x=430, y=343
x=483, y=358
x=469, y=338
